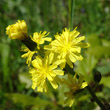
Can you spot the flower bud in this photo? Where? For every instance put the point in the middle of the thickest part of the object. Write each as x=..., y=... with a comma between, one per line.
x=17, y=30
x=97, y=76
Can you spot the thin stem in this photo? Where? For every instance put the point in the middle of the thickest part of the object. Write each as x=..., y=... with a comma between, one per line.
x=96, y=98
x=71, y=13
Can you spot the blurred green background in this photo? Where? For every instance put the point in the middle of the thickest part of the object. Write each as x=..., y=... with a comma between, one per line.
x=93, y=20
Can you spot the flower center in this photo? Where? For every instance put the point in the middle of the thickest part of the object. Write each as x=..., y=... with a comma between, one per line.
x=66, y=47
x=44, y=70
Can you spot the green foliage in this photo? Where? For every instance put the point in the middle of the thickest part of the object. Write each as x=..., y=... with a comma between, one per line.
x=25, y=100
x=5, y=49
x=93, y=20
x=86, y=66
x=25, y=78
x=105, y=81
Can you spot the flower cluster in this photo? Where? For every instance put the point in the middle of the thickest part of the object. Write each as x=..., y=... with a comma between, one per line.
x=47, y=62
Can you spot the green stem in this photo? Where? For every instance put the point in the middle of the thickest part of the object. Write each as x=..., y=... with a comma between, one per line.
x=96, y=98
x=71, y=13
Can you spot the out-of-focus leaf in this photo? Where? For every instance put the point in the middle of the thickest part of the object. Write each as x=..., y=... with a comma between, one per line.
x=89, y=106
x=99, y=51
x=99, y=47
x=5, y=50
x=1, y=46
x=25, y=78
x=104, y=69
x=50, y=93
x=28, y=100
x=94, y=40
x=105, y=81
x=61, y=96
x=105, y=43
x=83, y=97
x=86, y=66
x=61, y=92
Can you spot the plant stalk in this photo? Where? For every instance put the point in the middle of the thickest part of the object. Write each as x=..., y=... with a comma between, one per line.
x=29, y=43
x=71, y=13
x=96, y=98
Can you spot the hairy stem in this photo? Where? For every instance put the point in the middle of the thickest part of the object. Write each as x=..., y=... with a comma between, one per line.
x=29, y=43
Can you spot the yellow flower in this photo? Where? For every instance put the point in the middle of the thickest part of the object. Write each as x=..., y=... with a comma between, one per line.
x=38, y=38
x=68, y=46
x=29, y=54
x=45, y=69
x=73, y=84
x=17, y=30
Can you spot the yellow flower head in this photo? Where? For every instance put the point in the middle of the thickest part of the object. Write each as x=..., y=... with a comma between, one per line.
x=68, y=46
x=29, y=54
x=73, y=84
x=17, y=30
x=38, y=38
x=45, y=69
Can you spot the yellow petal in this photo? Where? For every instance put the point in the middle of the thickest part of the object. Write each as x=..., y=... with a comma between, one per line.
x=33, y=85
x=58, y=72
x=35, y=63
x=58, y=62
x=78, y=39
x=78, y=56
x=39, y=89
x=83, y=45
x=71, y=102
x=63, y=54
x=84, y=84
x=62, y=65
x=39, y=60
x=49, y=77
x=32, y=70
x=51, y=56
x=53, y=67
x=53, y=74
x=72, y=58
x=54, y=84
x=25, y=55
x=75, y=49
x=69, y=63
x=74, y=34
x=47, y=47
x=47, y=39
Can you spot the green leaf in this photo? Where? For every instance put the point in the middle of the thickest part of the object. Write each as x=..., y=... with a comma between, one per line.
x=25, y=78
x=105, y=42
x=99, y=51
x=5, y=50
x=105, y=81
x=104, y=69
x=61, y=96
x=86, y=66
x=94, y=40
x=28, y=100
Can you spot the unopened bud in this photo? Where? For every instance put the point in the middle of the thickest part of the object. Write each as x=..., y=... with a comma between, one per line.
x=97, y=76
